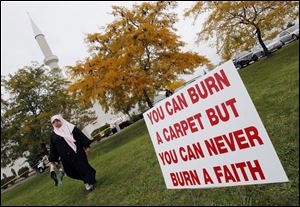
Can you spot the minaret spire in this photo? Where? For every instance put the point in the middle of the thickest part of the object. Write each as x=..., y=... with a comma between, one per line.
x=50, y=59
x=35, y=29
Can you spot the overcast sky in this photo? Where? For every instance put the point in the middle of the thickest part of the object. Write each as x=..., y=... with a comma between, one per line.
x=65, y=25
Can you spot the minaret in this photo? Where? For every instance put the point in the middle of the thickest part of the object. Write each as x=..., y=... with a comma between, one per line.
x=50, y=59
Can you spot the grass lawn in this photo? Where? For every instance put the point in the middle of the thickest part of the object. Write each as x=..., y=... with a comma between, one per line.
x=128, y=171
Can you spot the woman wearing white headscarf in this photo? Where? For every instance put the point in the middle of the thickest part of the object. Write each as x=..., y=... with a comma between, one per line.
x=71, y=145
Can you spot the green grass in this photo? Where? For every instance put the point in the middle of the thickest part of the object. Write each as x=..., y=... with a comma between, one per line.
x=128, y=171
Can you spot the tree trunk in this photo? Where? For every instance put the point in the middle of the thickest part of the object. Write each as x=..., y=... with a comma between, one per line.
x=130, y=117
x=266, y=51
x=149, y=102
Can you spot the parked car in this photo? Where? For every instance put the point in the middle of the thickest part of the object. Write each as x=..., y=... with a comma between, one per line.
x=289, y=34
x=43, y=164
x=244, y=58
x=272, y=45
x=258, y=51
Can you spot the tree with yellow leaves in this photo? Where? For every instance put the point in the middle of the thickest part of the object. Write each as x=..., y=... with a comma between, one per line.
x=237, y=24
x=135, y=56
x=177, y=84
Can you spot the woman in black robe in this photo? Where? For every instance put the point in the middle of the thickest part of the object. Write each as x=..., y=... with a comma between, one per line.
x=71, y=145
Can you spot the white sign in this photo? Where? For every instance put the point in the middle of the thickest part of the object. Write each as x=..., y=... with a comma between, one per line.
x=209, y=134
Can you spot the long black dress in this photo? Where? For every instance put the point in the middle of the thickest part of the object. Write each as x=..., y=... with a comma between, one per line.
x=75, y=164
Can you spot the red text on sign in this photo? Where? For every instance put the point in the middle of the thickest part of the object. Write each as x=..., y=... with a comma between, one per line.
x=239, y=139
x=176, y=104
x=156, y=114
x=222, y=112
x=180, y=129
x=229, y=173
x=185, y=178
x=208, y=86
x=190, y=152
x=168, y=157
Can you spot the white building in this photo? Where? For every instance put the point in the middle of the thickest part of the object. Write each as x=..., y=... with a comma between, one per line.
x=52, y=61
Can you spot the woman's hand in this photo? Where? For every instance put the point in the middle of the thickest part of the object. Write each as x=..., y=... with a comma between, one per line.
x=87, y=150
x=52, y=166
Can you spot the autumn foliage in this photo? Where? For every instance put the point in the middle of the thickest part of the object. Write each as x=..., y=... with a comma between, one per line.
x=133, y=58
x=238, y=25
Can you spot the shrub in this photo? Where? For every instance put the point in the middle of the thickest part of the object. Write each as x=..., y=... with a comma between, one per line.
x=136, y=117
x=124, y=124
x=3, y=181
x=24, y=170
x=8, y=179
x=100, y=129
